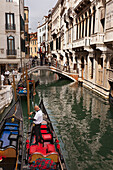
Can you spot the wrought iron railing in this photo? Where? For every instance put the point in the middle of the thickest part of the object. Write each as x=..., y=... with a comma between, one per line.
x=10, y=27
x=110, y=74
x=11, y=52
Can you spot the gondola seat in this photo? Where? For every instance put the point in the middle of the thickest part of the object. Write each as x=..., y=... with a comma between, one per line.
x=47, y=137
x=11, y=124
x=13, y=137
x=4, y=138
x=44, y=127
x=43, y=131
x=14, y=143
x=11, y=128
x=37, y=148
x=50, y=148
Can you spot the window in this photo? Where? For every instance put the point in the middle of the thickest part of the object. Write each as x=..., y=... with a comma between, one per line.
x=9, y=0
x=31, y=49
x=40, y=39
x=10, y=45
x=24, y=16
x=35, y=49
x=10, y=21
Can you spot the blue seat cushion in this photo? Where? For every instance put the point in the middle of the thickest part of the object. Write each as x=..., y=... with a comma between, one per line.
x=4, y=138
x=11, y=124
x=11, y=128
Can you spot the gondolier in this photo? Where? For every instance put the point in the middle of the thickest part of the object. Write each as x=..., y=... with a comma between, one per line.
x=37, y=120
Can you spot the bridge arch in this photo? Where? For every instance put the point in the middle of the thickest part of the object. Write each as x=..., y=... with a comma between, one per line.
x=72, y=76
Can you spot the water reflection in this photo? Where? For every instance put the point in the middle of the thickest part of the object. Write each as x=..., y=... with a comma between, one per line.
x=83, y=123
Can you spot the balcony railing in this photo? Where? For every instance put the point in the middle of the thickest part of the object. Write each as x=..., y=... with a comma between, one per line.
x=97, y=39
x=110, y=74
x=11, y=52
x=10, y=27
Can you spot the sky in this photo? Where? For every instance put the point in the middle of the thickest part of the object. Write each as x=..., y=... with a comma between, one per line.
x=38, y=9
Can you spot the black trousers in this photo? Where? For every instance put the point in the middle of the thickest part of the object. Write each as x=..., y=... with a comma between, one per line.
x=37, y=132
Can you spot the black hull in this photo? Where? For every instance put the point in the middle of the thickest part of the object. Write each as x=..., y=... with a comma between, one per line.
x=11, y=139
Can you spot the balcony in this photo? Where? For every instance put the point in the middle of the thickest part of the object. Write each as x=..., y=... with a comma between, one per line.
x=79, y=43
x=54, y=32
x=11, y=53
x=110, y=75
x=97, y=39
x=79, y=5
x=10, y=27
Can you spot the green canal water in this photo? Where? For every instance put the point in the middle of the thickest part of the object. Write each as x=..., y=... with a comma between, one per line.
x=82, y=120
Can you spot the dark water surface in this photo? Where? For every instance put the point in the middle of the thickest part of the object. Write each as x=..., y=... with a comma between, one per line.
x=82, y=120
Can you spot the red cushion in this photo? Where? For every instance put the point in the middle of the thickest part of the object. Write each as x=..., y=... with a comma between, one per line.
x=33, y=149
x=20, y=87
x=47, y=136
x=41, y=150
x=46, y=143
x=43, y=131
x=43, y=126
x=51, y=148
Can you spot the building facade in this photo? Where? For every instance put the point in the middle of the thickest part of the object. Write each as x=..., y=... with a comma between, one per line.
x=26, y=34
x=33, y=45
x=42, y=34
x=82, y=37
x=12, y=48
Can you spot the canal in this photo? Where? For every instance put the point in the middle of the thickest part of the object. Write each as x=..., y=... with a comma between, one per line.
x=82, y=120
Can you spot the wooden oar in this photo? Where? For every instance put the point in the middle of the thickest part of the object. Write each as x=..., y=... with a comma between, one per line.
x=14, y=86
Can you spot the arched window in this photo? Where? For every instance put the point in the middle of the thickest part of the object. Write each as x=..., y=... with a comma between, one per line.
x=86, y=24
x=76, y=29
x=82, y=26
x=89, y=22
x=10, y=45
x=94, y=11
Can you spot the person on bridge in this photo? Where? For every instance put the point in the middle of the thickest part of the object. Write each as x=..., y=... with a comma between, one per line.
x=37, y=120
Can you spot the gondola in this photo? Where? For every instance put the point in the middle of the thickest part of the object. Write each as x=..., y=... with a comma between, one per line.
x=21, y=91
x=22, y=88
x=46, y=154
x=11, y=139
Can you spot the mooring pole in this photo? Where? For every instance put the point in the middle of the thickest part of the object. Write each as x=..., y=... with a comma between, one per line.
x=34, y=93
x=28, y=102
x=26, y=74
x=14, y=86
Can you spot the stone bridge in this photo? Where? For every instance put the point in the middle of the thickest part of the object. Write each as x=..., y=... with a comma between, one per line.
x=72, y=76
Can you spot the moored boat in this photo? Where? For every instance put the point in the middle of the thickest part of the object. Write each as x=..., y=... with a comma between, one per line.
x=47, y=154
x=11, y=139
x=21, y=91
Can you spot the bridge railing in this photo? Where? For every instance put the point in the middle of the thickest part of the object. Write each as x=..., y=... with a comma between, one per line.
x=53, y=63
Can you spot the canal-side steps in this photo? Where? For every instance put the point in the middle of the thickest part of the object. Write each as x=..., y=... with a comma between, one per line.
x=72, y=76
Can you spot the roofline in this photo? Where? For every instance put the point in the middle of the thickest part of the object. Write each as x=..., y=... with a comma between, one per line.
x=58, y=2
x=42, y=24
